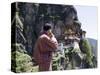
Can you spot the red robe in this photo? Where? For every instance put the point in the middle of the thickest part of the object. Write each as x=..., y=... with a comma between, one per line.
x=43, y=51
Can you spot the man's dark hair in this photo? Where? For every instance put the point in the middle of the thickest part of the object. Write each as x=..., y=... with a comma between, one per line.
x=46, y=27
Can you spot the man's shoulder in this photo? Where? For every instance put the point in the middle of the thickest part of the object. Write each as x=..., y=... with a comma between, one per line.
x=44, y=36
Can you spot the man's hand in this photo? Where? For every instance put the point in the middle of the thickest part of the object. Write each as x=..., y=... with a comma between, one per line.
x=51, y=35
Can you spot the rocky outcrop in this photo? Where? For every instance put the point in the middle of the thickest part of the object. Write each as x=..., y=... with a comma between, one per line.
x=28, y=20
x=34, y=16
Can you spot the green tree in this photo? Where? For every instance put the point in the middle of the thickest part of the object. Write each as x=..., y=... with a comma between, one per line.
x=21, y=61
x=86, y=47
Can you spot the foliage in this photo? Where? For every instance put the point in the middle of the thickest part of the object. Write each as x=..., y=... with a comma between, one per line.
x=88, y=51
x=21, y=61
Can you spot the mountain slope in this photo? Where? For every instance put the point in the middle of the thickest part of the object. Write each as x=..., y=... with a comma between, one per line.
x=93, y=43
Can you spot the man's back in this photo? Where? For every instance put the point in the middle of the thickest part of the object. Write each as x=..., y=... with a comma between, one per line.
x=44, y=48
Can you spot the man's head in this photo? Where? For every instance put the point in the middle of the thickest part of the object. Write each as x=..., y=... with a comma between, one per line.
x=47, y=28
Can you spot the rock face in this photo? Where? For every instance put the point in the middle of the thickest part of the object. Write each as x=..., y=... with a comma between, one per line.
x=29, y=18
x=34, y=16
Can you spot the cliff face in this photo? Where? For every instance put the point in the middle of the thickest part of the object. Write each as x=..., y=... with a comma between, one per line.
x=33, y=16
x=27, y=21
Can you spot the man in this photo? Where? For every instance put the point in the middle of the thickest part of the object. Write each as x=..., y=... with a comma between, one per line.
x=45, y=45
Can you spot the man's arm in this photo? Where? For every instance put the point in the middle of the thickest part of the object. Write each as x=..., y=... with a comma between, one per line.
x=51, y=42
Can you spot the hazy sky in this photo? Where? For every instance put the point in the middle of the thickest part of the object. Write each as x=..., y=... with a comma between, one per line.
x=88, y=17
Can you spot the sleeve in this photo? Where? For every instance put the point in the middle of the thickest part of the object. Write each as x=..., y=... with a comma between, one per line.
x=51, y=42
